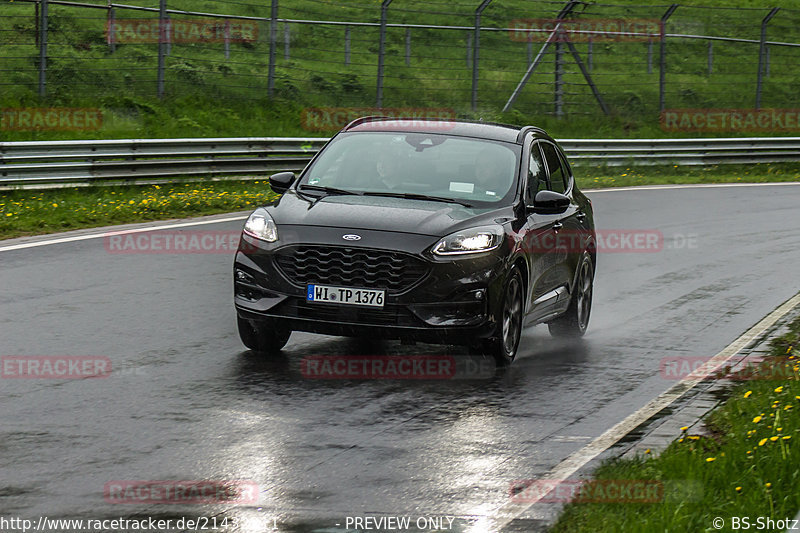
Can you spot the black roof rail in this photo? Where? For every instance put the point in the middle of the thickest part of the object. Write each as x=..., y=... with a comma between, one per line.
x=363, y=120
x=527, y=129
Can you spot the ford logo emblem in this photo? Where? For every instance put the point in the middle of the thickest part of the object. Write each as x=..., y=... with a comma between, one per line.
x=351, y=237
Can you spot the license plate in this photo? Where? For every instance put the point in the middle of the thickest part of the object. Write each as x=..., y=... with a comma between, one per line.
x=345, y=295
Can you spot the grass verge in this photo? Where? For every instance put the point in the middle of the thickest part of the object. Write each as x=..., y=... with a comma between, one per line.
x=48, y=211
x=749, y=465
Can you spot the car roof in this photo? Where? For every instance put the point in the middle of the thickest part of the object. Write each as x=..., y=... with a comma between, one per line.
x=461, y=128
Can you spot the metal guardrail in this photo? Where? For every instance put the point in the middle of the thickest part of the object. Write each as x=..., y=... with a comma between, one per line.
x=40, y=164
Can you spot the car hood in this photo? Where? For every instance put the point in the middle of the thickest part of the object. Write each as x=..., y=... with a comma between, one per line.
x=380, y=213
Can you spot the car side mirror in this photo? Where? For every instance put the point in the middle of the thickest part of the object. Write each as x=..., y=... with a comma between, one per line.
x=550, y=203
x=281, y=181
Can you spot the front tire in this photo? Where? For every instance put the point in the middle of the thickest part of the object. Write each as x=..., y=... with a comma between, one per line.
x=504, y=348
x=264, y=336
x=574, y=322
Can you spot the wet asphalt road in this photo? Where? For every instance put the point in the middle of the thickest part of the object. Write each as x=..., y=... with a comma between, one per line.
x=186, y=401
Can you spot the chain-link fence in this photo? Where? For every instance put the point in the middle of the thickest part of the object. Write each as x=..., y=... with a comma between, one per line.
x=544, y=57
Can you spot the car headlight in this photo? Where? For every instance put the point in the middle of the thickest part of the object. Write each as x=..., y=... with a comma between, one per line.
x=261, y=226
x=470, y=241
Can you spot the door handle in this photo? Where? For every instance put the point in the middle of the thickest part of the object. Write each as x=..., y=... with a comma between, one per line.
x=557, y=226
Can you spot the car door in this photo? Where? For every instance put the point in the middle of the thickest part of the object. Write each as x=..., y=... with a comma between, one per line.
x=567, y=227
x=538, y=241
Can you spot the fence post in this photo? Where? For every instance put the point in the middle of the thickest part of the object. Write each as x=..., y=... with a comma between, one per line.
x=663, y=66
x=476, y=44
x=650, y=56
x=381, y=53
x=762, y=47
x=168, y=34
x=347, y=45
x=710, y=57
x=408, y=47
x=558, y=85
x=287, y=37
x=36, y=18
x=589, y=60
x=43, y=50
x=227, y=39
x=566, y=10
x=112, y=22
x=273, y=30
x=162, y=45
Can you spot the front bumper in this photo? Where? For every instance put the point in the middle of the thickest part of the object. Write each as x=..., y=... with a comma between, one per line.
x=455, y=301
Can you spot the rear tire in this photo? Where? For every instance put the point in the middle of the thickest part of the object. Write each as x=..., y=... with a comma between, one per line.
x=504, y=347
x=263, y=336
x=574, y=322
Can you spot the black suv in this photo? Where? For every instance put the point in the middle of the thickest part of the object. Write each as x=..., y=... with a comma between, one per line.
x=440, y=231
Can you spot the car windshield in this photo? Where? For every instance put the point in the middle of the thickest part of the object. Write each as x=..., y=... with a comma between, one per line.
x=470, y=170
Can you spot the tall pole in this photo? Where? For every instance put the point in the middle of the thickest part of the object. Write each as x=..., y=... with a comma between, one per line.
x=381, y=52
x=273, y=34
x=662, y=79
x=476, y=43
x=761, y=59
x=162, y=44
x=43, y=50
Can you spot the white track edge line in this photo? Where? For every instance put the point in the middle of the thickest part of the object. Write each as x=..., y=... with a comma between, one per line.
x=75, y=238
x=511, y=510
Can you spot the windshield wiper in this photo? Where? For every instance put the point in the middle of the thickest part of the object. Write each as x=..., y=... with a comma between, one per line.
x=327, y=190
x=415, y=196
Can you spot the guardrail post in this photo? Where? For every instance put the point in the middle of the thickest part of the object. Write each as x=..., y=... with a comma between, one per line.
x=762, y=47
x=273, y=30
x=476, y=45
x=43, y=50
x=663, y=66
x=381, y=53
x=162, y=44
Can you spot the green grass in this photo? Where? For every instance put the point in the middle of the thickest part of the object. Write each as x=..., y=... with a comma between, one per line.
x=749, y=464
x=207, y=95
x=47, y=211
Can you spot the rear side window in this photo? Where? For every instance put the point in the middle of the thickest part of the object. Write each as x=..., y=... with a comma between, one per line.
x=558, y=176
x=537, y=175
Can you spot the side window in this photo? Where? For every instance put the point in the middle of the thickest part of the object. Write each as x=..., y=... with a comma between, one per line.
x=558, y=178
x=537, y=175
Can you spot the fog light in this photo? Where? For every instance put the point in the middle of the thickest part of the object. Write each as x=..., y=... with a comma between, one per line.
x=479, y=295
x=243, y=276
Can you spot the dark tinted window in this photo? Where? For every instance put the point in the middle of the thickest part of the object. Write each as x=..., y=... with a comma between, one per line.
x=537, y=175
x=558, y=179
